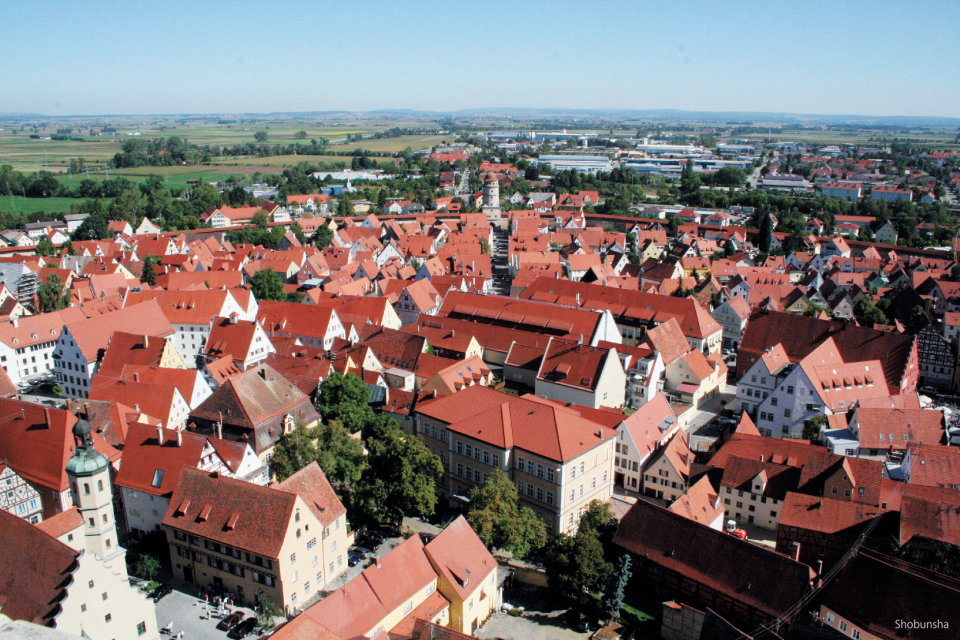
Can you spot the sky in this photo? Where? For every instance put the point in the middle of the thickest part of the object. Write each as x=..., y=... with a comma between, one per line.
x=150, y=57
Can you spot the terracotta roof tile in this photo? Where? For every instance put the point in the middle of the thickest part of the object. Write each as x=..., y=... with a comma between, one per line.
x=311, y=484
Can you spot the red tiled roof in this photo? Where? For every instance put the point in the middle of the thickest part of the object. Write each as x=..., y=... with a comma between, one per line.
x=263, y=513
x=459, y=555
x=573, y=364
x=35, y=570
x=506, y=421
x=311, y=484
x=898, y=428
x=154, y=468
x=761, y=578
x=800, y=335
x=824, y=515
x=61, y=523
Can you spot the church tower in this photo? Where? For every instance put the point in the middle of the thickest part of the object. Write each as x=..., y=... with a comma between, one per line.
x=89, y=474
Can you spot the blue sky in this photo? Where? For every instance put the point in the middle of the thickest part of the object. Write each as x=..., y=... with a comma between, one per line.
x=870, y=58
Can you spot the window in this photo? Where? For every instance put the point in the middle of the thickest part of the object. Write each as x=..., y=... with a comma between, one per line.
x=549, y=475
x=293, y=558
x=593, y=484
x=83, y=608
x=539, y=470
x=834, y=490
x=331, y=567
x=333, y=546
x=787, y=413
x=549, y=497
x=313, y=562
x=773, y=401
x=104, y=595
x=141, y=628
x=107, y=618
x=790, y=390
x=293, y=598
x=582, y=468
x=573, y=472
x=312, y=542
x=521, y=464
x=90, y=584
x=407, y=608
x=306, y=586
x=605, y=476
x=496, y=460
x=581, y=491
x=843, y=626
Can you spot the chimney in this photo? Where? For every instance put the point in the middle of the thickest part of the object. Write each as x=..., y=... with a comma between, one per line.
x=160, y=435
x=136, y=407
x=179, y=438
x=146, y=343
x=15, y=322
x=795, y=551
x=263, y=373
x=136, y=376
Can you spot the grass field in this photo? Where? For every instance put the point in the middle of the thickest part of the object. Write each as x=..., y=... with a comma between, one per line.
x=32, y=205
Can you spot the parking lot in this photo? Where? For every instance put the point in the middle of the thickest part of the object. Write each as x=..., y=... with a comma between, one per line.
x=188, y=614
x=530, y=626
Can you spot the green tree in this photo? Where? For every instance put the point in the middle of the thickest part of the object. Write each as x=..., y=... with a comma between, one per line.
x=766, y=233
x=267, y=612
x=45, y=247
x=148, y=271
x=813, y=427
x=339, y=455
x=260, y=220
x=298, y=233
x=295, y=450
x=261, y=136
x=868, y=313
x=575, y=565
x=617, y=587
x=267, y=284
x=500, y=522
x=598, y=519
x=346, y=399
x=400, y=478
x=52, y=295
x=300, y=135
x=323, y=237
x=93, y=227
x=345, y=207
x=66, y=249
x=147, y=567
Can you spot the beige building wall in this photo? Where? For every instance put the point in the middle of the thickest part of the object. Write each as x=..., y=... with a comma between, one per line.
x=752, y=508
x=662, y=480
x=467, y=614
x=586, y=478
x=308, y=562
x=845, y=626
x=101, y=602
x=394, y=617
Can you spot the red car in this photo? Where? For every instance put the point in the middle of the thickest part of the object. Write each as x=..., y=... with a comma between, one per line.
x=230, y=620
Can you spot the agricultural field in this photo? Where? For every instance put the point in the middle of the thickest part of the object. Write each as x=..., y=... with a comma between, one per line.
x=29, y=154
x=20, y=204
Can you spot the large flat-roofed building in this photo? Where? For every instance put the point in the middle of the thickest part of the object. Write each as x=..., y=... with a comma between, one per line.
x=839, y=190
x=583, y=164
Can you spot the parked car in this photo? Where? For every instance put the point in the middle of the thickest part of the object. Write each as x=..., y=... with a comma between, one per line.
x=243, y=629
x=160, y=592
x=380, y=536
x=353, y=559
x=230, y=620
x=363, y=552
x=370, y=543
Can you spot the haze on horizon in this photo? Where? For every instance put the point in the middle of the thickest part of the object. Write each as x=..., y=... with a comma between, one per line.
x=879, y=59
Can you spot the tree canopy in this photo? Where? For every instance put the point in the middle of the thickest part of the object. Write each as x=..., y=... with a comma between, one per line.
x=267, y=284
x=45, y=247
x=400, y=478
x=52, y=295
x=346, y=398
x=148, y=273
x=500, y=522
x=576, y=564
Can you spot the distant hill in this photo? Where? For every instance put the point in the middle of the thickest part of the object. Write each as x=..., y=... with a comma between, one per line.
x=510, y=113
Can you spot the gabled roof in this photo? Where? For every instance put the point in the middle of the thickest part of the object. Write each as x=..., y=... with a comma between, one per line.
x=352, y=611
x=649, y=424
x=697, y=503
x=233, y=512
x=934, y=465
x=152, y=467
x=573, y=364
x=872, y=586
x=35, y=571
x=669, y=340
x=311, y=484
x=93, y=334
x=800, y=335
x=744, y=572
x=898, y=428
x=253, y=397
x=506, y=421
x=459, y=555
x=37, y=442
x=740, y=473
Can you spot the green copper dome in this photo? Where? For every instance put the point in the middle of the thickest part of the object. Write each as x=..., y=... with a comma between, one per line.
x=85, y=460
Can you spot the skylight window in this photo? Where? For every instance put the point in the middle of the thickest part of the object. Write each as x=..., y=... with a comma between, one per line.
x=157, y=478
